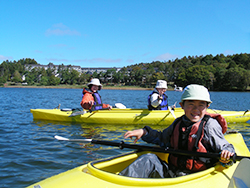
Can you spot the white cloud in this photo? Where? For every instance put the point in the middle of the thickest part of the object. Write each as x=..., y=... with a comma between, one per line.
x=38, y=51
x=94, y=60
x=61, y=30
x=130, y=61
x=5, y=57
x=99, y=60
x=228, y=52
x=166, y=56
x=56, y=60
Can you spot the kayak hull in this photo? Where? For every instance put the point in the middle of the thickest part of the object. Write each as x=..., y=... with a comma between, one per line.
x=103, y=173
x=129, y=116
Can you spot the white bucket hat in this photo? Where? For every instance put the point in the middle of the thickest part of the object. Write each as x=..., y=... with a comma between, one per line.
x=95, y=81
x=196, y=92
x=161, y=84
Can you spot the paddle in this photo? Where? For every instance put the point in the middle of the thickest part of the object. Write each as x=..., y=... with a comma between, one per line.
x=240, y=177
x=171, y=109
x=120, y=106
x=82, y=112
x=172, y=112
x=246, y=112
x=122, y=145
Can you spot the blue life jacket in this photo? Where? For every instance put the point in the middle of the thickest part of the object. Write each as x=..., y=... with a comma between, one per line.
x=162, y=106
x=98, y=102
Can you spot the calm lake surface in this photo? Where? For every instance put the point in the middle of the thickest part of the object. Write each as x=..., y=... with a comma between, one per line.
x=29, y=153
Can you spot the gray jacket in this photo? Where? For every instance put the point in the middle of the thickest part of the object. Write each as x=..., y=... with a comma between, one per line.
x=213, y=139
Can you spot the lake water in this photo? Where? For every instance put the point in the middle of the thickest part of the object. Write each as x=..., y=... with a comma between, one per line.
x=29, y=153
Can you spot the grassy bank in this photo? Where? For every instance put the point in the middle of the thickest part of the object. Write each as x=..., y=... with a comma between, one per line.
x=78, y=87
x=8, y=85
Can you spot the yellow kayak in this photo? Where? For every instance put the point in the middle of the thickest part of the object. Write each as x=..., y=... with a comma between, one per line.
x=104, y=173
x=128, y=116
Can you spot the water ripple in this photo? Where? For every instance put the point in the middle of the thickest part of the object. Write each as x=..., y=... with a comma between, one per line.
x=29, y=152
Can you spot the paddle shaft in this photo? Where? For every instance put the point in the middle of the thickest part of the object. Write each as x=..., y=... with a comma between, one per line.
x=122, y=145
x=78, y=113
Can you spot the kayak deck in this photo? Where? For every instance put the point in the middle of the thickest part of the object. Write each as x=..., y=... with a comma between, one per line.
x=104, y=173
x=128, y=116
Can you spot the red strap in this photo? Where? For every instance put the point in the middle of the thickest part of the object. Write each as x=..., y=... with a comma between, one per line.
x=221, y=120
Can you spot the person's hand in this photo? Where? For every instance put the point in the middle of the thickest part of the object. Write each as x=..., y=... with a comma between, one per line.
x=173, y=107
x=138, y=133
x=225, y=156
x=109, y=107
x=160, y=97
x=91, y=103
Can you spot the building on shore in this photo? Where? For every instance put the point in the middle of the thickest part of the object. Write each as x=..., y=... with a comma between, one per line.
x=88, y=70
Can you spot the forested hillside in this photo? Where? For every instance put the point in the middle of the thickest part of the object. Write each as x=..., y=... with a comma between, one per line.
x=218, y=73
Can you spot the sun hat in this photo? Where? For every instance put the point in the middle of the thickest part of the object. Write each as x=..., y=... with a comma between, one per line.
x=95, y=81
x=196, y=92
x=161, y=84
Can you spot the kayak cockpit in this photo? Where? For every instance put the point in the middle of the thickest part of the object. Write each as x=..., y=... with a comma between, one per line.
x=109, y=169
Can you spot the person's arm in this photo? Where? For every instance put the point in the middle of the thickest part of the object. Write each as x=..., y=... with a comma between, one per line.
x=87, y=101
x=161, y=138
x=107, y=106
x=217, y=140
x=155, y=100
x=150, y=135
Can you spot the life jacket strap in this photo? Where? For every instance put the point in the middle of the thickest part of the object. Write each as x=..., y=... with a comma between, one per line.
x=200, y=129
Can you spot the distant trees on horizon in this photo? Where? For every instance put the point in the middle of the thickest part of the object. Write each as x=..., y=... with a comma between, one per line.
x=218, y=73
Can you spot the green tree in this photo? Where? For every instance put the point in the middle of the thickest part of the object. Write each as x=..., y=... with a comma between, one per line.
x=44, y=81
x=236, y=79
x=17, y=77
x=242, y=59
x=27, y=61
x=33, y=76
x=74, y=76
x=157, y=76
x=197, y=74
x=219, y=83
x=53, y=80
x=83, y=78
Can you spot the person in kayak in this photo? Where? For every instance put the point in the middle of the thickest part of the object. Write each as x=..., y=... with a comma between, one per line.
x=91, y=99
x=158, y=100
x=194, y=131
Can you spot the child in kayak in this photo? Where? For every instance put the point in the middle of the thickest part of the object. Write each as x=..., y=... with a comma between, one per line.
x=158, y=100
x=91, y=99
x=196, y=130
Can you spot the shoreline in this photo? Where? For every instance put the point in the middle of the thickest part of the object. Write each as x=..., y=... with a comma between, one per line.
x=81, y=87
x=103, y=88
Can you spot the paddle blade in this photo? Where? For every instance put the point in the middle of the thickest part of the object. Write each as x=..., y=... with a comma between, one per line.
x=61, y=138
x=240, y=177
x=78, y=113
x=172, y=112
x=72, y=140
x=120, y=106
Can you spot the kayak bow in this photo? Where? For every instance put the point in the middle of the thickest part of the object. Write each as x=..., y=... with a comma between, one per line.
x=104, y=173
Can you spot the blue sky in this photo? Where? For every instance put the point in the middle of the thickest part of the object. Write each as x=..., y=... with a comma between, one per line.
x=116, y=33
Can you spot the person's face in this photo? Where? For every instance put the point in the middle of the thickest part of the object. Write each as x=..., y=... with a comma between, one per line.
x=94, y=88
x=161, y=90
x=194, y=109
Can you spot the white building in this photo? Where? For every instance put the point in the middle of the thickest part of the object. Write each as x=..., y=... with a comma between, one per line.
x=88, y=70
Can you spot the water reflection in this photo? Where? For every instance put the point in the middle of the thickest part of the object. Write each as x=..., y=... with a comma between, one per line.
x=242, y=128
